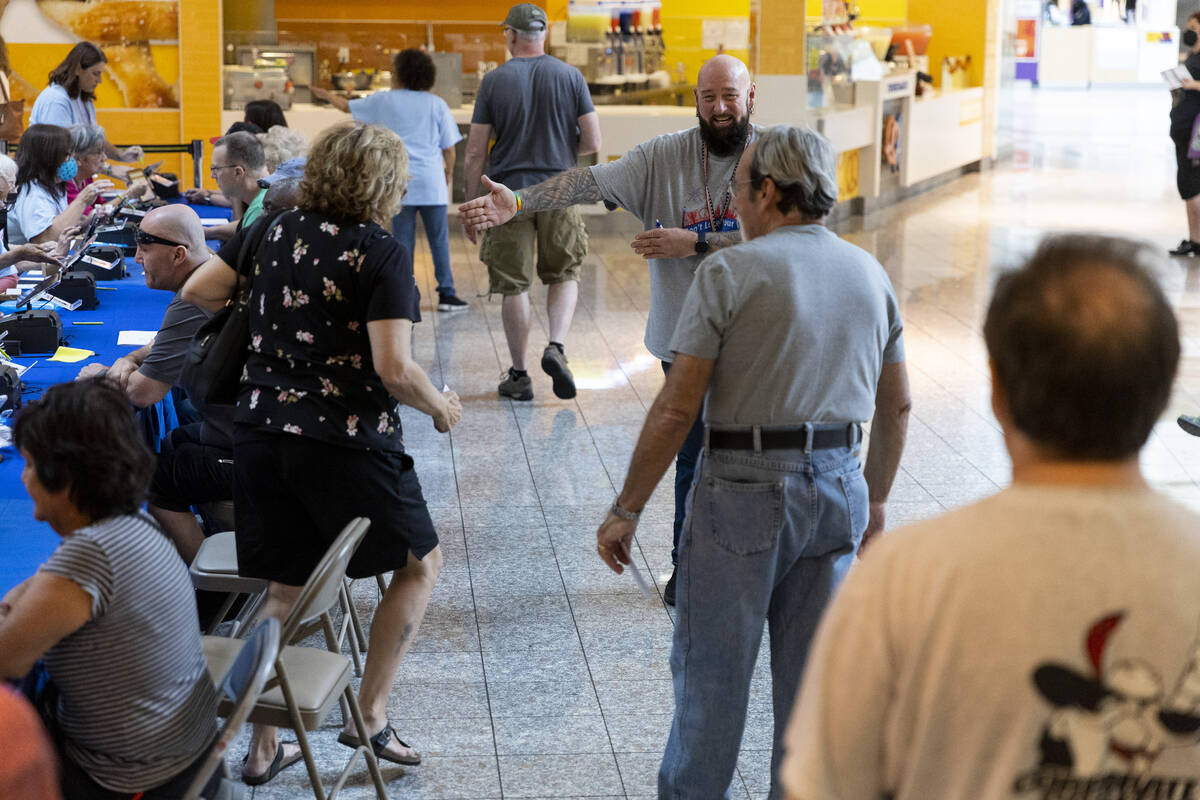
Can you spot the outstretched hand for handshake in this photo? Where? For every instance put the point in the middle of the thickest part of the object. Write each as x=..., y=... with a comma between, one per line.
x=492, y=209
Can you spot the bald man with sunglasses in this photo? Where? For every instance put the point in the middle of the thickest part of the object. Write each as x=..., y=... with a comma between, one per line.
x=196, y=463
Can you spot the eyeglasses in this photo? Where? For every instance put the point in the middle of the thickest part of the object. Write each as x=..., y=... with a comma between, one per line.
x=212, y=171
x=144, y=238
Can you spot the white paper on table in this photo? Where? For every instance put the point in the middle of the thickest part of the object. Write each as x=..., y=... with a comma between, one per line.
x=135, y=338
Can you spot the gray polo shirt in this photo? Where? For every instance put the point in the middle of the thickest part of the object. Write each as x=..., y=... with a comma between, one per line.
x=800, y=323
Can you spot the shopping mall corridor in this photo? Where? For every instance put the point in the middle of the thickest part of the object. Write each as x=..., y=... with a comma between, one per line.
x=538, y=673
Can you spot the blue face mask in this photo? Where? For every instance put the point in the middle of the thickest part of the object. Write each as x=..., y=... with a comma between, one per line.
x=67, y=170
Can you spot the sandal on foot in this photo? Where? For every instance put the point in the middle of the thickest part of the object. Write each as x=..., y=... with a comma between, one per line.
x=379, y=743
x=279, y=764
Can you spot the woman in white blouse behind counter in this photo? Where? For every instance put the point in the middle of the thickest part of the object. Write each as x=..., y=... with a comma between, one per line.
x=45, y=162
x=70, y=99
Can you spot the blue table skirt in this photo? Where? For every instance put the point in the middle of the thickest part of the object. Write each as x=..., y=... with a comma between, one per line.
x=130, y=305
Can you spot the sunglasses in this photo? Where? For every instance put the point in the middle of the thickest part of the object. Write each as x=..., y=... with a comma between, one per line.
x=150, y=238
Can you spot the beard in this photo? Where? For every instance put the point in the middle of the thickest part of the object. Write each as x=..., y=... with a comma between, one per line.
x=724, y=142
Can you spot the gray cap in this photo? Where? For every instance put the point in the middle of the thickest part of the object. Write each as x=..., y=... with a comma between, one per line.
x=292, y=168
x=525, y=17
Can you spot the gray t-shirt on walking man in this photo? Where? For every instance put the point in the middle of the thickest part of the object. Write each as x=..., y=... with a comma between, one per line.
x=800, y=323
x=662, y=180
x=533, y=106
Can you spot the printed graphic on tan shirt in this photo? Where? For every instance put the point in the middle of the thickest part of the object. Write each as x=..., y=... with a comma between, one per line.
x=1110, y=720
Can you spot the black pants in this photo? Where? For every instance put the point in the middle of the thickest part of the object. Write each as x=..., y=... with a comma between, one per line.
x=191, y=471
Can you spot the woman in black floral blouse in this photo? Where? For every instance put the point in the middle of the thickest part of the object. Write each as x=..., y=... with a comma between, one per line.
x=318, y=439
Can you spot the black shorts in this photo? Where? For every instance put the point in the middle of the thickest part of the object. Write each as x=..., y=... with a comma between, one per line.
x=1187, y=171
x=190, y=471
x=294, y=494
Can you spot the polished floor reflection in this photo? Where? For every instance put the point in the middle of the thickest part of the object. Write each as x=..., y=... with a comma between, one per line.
x=538, y=673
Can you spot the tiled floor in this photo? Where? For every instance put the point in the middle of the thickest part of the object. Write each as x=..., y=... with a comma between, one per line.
x=538, y=673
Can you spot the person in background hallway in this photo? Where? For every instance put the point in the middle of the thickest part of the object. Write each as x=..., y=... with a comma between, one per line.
x=424, y=122
x=541, y=114
x=266, y=114
x=1185, y=110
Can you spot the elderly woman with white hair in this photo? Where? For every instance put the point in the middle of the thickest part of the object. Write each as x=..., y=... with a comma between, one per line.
x=21, y=258
x=90, y=146
x=282, y=144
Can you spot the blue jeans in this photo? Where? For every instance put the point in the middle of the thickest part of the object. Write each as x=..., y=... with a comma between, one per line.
x=437, y=231
x=769, y=536
x=685, y=472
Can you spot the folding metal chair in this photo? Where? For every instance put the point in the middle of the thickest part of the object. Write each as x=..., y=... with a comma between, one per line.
x=215, y=569
x=239, y=690
x=310, y=681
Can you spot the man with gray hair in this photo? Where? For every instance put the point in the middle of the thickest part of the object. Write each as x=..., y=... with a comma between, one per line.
x=1043, y=642
x=795, y=335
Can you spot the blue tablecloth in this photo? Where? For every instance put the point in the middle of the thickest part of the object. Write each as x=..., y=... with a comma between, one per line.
x=125, y=304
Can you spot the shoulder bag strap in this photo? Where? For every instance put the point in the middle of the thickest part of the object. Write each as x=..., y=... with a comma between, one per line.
x=250, y=247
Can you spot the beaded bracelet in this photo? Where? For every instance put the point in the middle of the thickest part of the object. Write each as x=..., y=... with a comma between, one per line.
x=520, y=203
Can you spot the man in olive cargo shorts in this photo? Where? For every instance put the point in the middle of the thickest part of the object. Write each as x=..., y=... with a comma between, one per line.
x=541, y=115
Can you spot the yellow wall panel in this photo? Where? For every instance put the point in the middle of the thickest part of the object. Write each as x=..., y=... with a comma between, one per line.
x=682, y=22
x=958, y=29
x=200, y=39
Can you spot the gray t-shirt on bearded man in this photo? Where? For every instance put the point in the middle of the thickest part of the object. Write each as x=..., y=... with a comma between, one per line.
x=662, y=180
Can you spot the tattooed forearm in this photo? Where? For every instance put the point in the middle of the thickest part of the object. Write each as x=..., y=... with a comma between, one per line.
x=562, y=191
x=718, y=240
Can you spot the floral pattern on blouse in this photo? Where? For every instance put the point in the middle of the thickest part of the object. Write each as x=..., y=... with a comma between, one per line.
x=317, y=282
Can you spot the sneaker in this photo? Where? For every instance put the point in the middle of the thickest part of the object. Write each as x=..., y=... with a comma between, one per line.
x=1186, y=248
x=451, y=302
x=669, y=589
x=1189, y=424
x=554, y=364
x=518, y=388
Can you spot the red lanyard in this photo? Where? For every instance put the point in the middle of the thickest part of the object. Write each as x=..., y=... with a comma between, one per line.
x=712, y=215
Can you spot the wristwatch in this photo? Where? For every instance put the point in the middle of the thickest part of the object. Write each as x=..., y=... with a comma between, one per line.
x=631, y=516
x=701, y=244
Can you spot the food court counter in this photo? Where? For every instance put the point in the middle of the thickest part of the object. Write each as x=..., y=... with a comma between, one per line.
x=621, y=127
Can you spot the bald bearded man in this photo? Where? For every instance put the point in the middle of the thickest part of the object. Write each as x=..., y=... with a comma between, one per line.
x=680, y=186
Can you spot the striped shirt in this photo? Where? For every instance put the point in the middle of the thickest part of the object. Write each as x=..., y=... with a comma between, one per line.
x=136, y=705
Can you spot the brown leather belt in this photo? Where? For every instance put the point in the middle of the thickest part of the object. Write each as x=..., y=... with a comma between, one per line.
x=796, y=439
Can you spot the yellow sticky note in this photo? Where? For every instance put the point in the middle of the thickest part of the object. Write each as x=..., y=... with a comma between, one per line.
x=71, y=354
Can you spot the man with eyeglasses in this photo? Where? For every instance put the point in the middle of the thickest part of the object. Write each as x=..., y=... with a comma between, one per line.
x=238, y=162
x=795, y=336
x=170, y=246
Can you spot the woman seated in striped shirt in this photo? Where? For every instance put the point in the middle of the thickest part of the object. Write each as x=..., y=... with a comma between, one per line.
x=111, y=614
